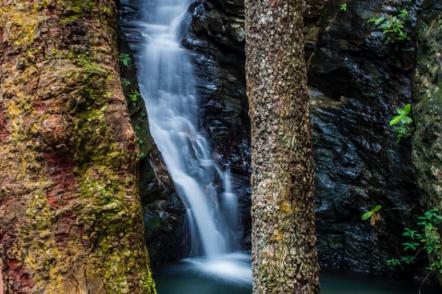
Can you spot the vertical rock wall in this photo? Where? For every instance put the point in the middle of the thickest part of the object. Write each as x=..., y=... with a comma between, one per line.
x=427, y=143
x=357, y=81
x=215, y=32
x=427, y=140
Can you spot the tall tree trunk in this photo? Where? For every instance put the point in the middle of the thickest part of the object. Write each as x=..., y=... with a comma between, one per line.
x=70, y=217
x=427, y=140
x=284, y=238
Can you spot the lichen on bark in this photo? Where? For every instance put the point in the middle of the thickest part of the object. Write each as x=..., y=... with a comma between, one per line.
x=70, y=218
x=284, y=255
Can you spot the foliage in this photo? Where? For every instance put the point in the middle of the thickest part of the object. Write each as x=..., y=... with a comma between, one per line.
x=425, y=239
x=392, y=26
x=134, y=96
x=125, y=82
x=402, y=122
x=125, y=60
x=372, y=215
x=343, y=7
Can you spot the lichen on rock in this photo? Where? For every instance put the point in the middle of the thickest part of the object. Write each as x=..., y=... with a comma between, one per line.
x=427, y=139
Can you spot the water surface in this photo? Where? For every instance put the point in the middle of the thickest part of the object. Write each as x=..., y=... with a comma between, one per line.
x=187, y=278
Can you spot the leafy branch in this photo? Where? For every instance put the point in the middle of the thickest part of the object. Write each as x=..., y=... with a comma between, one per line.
x=425, y=238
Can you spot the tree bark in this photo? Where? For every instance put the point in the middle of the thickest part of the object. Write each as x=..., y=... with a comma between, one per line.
x=70, y=217
x=284, y=239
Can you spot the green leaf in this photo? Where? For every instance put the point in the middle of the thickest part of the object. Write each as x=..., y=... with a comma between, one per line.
x=407, y=259
x=406, y=120
x=125, y=82
x=367, y=215
x=125, y=59
x=134, y=96
x=397, y=119
x=393, y=262
x=377, y=20
x=377, y=208
x=409, y=233
x=410, y=246
x=403, y=13
x=343, y=7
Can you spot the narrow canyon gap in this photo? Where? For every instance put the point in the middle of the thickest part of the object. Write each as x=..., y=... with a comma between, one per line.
x=70, y=219
x=284, y=258
x=168, y=86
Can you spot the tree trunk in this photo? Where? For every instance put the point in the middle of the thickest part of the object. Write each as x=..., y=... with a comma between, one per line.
x=284, y=239
x=427, y=140
x=70, y=218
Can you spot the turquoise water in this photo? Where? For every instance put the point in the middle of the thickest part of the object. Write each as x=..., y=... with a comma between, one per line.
x=184, y=278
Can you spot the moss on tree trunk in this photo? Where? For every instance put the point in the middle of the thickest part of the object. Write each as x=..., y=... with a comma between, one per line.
x=283, y=238
x=70, y=218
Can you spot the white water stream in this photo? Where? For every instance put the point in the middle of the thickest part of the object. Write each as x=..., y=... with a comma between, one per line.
x=167, y=83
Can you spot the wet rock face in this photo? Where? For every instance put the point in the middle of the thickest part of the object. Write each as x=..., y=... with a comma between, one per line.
x=214, y=31
x=363, y=79
x=357, y=81
x=427, y=139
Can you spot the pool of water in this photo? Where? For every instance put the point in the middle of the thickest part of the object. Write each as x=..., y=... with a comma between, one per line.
x=228, y=274
x=231, y=275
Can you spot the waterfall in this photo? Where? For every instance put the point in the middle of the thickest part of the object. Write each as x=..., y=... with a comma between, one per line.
x=167, y=84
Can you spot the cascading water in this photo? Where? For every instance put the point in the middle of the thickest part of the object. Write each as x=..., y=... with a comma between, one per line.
x=167, y=83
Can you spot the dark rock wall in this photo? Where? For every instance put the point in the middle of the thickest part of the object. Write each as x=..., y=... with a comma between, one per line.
x=215, y=33
x=357, y=81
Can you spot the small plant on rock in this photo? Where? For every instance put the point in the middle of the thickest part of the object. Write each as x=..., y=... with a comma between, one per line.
x=402, y=122
x=125, y=82
x=392, y=26
x=125, y=60
x=425, y=239
x=134, y=96
x=343, y=7
x=372, y=215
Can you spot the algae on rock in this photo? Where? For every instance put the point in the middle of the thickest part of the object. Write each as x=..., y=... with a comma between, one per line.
x=427, y=141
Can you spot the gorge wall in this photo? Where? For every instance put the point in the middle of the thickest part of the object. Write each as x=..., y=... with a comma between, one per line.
x=357, y=80
x=427, y=139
